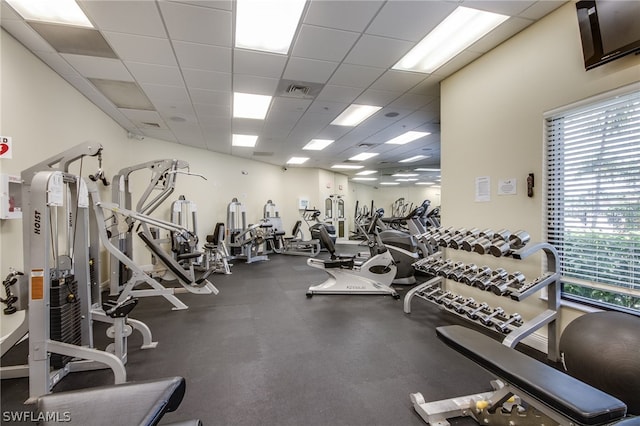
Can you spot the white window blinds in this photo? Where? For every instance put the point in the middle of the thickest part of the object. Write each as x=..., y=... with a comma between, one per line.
x=593, y=198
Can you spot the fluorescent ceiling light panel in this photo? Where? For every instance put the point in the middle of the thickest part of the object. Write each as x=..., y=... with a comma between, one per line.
x=56, y=11
x=364, y=178
x=422, y=169
x=458, y=31
x=366, y=172
x=414, y=158
x=406, y=180
x=424, y=183
x=247, y=105
x=355, y=114
x=267, y=25
x=297, y=160
x=364, y=156
x=389, y=183
x=405, y=174
x=244, y=140
x=347, y=166
x=407, y=137
x=318, y=144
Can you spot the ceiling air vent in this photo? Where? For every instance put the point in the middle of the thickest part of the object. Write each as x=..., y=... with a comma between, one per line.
x=146, y=124
x=262, y=154
x=298, y=90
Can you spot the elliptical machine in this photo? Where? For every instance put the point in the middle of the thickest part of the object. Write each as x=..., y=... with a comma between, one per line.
x=347, y=276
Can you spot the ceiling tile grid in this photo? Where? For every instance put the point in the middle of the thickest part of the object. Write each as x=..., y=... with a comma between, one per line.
x=181, y=55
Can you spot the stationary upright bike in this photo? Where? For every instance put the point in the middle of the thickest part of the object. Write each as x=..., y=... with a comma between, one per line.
x=347, y=276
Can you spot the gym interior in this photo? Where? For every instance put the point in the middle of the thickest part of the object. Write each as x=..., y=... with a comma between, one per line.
x=155, y=274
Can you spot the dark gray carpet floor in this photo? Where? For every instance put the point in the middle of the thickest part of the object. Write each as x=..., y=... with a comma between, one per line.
x=262, y=353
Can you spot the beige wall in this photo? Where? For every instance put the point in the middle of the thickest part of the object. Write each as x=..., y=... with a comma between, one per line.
x=492, y=125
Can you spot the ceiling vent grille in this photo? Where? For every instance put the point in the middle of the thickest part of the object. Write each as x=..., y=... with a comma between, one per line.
x=262, y=154
x=298, y=90
x=147, y=124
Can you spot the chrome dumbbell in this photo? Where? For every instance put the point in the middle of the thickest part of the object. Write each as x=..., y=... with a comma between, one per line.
x=487, y=233
x=433, y=239
x=445, y=239
x=449, y=301
x=446, y=271
x=457, y=273
x=468, y=279
x=500, y=243
x=519, y=239
x=500, y=289
x=488, y=319
x=444, y=265
x=440, y=299
x=456, y=241
x=432, y=293
x=473, y=313
x=461, y=308
x=504, y=327
x=485, y=281
x=482, y=245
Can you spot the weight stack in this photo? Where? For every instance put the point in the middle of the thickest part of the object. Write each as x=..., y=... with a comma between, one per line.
x=65, y=316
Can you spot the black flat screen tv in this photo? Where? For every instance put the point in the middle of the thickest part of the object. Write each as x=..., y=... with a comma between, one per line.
x=609, y=29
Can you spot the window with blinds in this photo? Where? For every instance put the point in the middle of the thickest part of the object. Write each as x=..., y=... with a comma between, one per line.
x=593, y=199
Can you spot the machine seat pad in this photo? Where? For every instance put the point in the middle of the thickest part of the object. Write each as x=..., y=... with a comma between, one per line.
x=134, y=403
x=343, y=263
x=574, y=399
x=191, y=255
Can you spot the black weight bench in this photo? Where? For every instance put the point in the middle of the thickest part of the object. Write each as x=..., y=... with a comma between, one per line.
x=134, y=403
x=550, y=392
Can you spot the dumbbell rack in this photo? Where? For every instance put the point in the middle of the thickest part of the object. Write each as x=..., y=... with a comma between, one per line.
x=511, y=326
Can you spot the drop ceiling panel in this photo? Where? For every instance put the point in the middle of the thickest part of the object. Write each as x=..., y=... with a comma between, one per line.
x=197, y=24
x=378, y=52
x=203, y=57
x=464, y=58
x=124, y=17
x=216, y=4
x=309, y=70
x=155, y=74
x=76, y=40
x=148, y=50
x=211, y=98
x=340, y=94
x=397, y=81
x=411, y=101
x=158, y=93
x=253, y=84
x=322, y=43
x=258, y=63
x=540, y=9
x=207, y=80
x=409, y=20
x=293, y=105
x=355, y=75
x=377, y=97
x=105, y=68
x=344, y=15
x=217, y=125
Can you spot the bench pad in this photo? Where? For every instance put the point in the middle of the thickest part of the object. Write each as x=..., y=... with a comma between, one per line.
x=572, y=398
x=134, y=403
